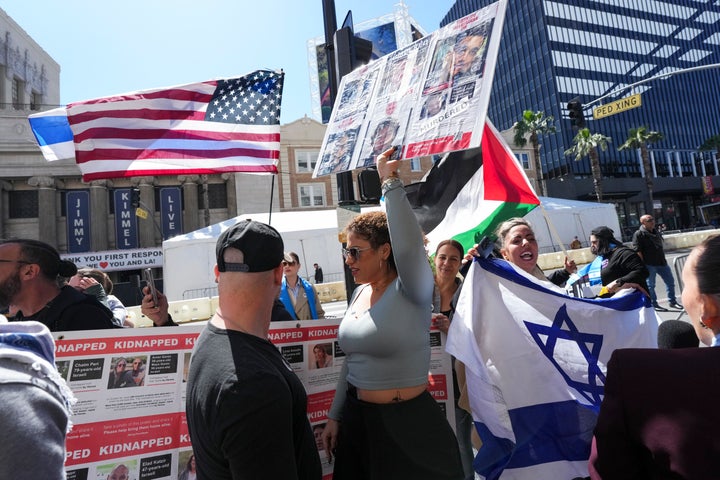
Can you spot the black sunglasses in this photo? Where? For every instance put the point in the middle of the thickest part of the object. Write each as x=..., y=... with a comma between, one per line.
x=353, y=252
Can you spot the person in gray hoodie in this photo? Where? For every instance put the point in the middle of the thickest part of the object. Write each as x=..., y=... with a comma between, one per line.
x=36, y=403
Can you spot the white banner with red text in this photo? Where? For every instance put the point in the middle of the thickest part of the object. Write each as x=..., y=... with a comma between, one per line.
x=131, y=383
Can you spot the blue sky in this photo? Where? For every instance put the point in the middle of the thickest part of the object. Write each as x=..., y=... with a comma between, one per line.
x=106, y=48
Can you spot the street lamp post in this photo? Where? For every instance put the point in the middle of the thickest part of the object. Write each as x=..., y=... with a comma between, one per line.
x=346, y=195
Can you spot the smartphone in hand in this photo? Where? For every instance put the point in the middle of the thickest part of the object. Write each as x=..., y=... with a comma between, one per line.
x=150, y=282
x=397, y=153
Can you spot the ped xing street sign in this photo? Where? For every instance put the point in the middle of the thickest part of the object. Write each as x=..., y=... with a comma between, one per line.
x=627, y=103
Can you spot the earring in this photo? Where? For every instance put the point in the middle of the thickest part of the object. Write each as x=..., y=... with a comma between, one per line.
x=710, y=322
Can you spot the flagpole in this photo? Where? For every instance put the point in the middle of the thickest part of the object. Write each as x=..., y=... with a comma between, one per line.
x=552, y=229
x=272, y=192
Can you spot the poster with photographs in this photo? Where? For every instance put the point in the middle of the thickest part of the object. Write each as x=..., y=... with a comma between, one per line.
x=429, y=97
x=129, y=419
x=388, y=120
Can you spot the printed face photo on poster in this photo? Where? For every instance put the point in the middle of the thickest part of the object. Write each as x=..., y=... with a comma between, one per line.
x=321, y=356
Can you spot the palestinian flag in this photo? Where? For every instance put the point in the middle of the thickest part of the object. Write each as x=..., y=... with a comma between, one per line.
x=469, y=193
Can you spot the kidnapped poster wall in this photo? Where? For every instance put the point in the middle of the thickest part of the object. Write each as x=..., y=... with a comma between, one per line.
x=131, y=386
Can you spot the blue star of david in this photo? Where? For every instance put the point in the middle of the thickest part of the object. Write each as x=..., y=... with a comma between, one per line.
x=588, y=343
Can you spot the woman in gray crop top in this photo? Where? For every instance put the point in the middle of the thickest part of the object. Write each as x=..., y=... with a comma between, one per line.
x=383, y=422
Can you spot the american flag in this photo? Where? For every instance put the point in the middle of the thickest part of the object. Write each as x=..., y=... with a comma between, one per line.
x=230, y=125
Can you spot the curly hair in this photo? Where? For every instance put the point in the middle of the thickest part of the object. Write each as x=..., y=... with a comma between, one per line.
x=373, y=227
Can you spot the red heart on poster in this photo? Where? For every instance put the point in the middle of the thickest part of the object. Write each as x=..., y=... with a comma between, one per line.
x=103, y=264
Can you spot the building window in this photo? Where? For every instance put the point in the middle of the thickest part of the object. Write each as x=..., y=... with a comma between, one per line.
x=305, y=160
x=23, y=204
x=415, y=164
x=312, y=195
x=17, y=94
x=524, y=160
x=217, y=195
x=35, y=101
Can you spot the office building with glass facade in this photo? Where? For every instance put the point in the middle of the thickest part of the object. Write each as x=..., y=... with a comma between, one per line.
x=554, y=51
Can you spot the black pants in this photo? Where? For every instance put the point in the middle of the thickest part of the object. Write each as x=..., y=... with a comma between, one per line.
x=409, y=439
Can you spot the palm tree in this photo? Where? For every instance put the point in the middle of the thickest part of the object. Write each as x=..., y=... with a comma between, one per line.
x=534, y=124
x=712, y=143
x=640, y=138
x=586, y=144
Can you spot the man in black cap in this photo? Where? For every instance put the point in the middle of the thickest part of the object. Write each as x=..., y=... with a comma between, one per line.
x=621, y=266
x=246, y=409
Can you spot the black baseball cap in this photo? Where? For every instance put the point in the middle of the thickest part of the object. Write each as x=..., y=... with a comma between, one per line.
x=261, y=245
x=605, y=233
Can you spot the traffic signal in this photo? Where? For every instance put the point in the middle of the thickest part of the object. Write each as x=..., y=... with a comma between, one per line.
x=135, y=197
x=575, y=112
x=369, y=185
x=350, y=51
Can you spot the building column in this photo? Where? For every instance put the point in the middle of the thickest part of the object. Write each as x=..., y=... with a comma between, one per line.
x=47, y=209
x=232, y=203
x=147, y=227
x=205, y=182
x=190, y=201
x=4, y=187
x=99, y=214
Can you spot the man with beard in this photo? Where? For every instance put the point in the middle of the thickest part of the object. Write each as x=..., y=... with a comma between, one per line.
x=29, y=274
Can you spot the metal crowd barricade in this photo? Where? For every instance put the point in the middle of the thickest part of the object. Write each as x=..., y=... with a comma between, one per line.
x=678, y=265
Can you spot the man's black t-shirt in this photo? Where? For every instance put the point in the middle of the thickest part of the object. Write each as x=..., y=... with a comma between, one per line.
x=650, y=245
x=247, y=411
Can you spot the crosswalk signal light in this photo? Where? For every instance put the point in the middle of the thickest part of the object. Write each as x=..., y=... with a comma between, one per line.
x=369, y=186
x=350, y=51
x=135, y=197
x=575, y=112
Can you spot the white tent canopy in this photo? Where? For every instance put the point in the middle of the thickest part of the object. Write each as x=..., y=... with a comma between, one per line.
x=189, y=259
x=313, y=235
x=570, y=218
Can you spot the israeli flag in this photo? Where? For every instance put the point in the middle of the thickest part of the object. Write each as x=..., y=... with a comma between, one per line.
x=54, y=136
x=589, y=273
x=536, y=362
